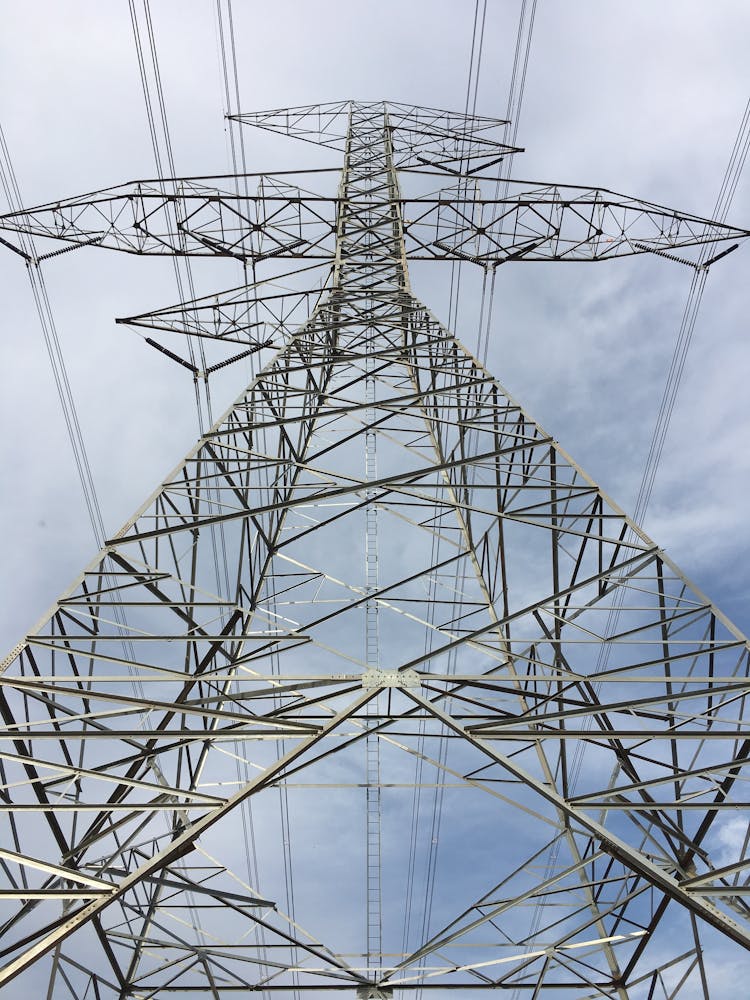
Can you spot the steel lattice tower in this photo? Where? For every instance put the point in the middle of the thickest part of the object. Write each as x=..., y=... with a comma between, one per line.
x=433, y=627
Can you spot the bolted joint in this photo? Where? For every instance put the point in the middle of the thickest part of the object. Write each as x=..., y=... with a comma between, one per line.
x=390, y=679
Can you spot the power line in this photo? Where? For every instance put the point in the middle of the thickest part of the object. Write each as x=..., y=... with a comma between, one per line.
x=724, y=200
x=516, y=93
x=673, y=380
x=230, y=78
x=707, y=252
x=54, y=349
x=64, y=391
x=515, y=100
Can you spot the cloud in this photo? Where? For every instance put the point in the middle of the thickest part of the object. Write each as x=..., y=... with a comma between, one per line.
x=631, y=99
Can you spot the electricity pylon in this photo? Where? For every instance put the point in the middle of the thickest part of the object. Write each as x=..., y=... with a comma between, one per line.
x=376, y=612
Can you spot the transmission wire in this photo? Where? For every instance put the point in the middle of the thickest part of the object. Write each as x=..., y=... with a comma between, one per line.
x=724, y=199
x=65, y=394
x=510, y=136
x=242, y=766
x=222, y=578
x=54, y=349
x=727, y=190
x=247, y=815
x=475, y=59
x=514, y=101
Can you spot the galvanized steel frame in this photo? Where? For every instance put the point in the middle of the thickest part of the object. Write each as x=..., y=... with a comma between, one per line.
x=500, y=651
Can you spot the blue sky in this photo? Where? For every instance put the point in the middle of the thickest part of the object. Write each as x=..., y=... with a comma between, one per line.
x=642, y=100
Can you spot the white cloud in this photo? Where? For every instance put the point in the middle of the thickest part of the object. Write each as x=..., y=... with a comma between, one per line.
x=629, y=97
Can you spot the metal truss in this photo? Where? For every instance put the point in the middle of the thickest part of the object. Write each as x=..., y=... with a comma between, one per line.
x=534, y=222
x=377, y=590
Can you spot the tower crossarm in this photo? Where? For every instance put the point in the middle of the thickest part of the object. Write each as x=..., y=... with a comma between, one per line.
x=187, y=217
x=248, y=314
x=535, y=222
x=468, y=221
x=420, y=136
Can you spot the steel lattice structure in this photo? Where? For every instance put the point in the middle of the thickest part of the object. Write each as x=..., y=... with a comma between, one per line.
x=429, y=614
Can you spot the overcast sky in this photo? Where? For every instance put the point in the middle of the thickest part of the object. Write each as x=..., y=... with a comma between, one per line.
x=641, y=98
x=638, y=97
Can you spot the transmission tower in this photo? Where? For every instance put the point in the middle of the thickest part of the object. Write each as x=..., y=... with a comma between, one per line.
x=377, y=693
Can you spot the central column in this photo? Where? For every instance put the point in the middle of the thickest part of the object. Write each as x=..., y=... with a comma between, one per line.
x=369, y=279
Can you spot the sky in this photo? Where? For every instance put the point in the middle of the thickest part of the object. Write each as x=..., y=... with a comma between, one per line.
x=643, y=99
x=639, y=98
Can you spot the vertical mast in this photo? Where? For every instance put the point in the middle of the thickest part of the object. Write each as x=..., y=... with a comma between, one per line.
x=369, y=237
x=370, y=261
